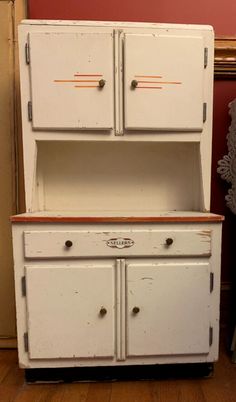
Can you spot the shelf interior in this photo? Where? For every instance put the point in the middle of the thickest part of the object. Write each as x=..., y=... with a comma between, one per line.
x=93, y=177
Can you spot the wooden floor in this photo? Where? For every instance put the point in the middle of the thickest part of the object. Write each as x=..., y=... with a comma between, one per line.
x=220, y=388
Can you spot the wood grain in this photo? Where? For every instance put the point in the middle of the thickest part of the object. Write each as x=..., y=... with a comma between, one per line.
x=220, y=388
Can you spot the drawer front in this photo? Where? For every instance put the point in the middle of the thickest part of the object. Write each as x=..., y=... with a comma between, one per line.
x=95, y=243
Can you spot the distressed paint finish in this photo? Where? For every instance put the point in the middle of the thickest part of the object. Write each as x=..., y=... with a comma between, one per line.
x=63, y=311
x=146, y=242
x=199, y=297
x=150, y=53
x=112, y=277
x=174, y=302
x=54, y=60
x=168, y=217
x=63, y=125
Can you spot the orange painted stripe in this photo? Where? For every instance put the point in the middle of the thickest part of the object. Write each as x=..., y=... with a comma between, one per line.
x=148, y=87
x=86, y=86
x=148, y=76
x=76, y=80
x=88, y=75
x=160, y=82
x=87, y=81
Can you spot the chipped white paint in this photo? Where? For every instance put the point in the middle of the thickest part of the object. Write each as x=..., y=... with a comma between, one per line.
x=174, y=92
x=65, y=86
x=154, y=293
x=116, y=151
x=146, y=242
x=60, y=113
x=63, y=311
x=174, y=301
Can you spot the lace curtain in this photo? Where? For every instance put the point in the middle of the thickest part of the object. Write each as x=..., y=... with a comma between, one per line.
x=227, y=165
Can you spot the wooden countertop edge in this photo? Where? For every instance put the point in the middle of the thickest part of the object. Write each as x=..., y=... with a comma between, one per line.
x=131, y=219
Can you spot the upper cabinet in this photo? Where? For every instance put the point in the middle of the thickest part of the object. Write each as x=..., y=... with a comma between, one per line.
x=117, y=80
x=71, y=75
x=163, y=82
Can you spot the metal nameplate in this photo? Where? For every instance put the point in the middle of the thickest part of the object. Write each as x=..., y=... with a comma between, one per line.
x=120, y=242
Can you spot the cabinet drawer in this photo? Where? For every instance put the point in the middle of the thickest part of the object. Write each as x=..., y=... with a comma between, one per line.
x=95, y=243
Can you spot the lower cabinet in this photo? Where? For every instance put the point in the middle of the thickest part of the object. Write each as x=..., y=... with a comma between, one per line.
x=74, y=311
x=70, y=311
x=131, y=298
x=167, y=308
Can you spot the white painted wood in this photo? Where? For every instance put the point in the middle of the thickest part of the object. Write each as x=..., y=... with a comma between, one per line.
x=63, y=311
x=65, y=72
x=174, y=309
x=120, y=310
x=154, y=166
x=122, y=24
x=213, y=261
x=119, y=176
x=169, y=94
x=52, y=244
x=156, y=213
x=99, y=29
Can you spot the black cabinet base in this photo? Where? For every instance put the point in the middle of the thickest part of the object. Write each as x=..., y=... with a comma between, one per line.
x=119, y=373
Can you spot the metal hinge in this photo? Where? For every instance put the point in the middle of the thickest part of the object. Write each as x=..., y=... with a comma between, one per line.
x=27, y=53
x=205, y=57
x=23, y=286
x=210, y=336
x=26, y=341
x=204, y=112
x=30, y=116
x=211, y=281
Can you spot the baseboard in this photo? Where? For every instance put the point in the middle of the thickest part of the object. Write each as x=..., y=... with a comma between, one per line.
x=8, y=343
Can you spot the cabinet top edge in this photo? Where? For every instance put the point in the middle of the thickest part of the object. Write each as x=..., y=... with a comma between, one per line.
x=106, y=219
x=121, y=24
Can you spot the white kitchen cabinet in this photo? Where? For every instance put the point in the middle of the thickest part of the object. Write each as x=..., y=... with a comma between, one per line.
x=161, y=303
x=158, y=72
x=117, y=258
x=168, y=308
x=68, y=316
x=67, y=73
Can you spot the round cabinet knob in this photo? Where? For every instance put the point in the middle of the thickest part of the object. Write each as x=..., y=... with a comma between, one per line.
x=134, y=84
x=101, y=83
x=103, y=311
x=136, y=310
x=169, y=241
x=68, y=243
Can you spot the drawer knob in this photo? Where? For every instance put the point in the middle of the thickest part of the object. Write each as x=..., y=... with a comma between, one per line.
x=134, y=84
x=136, y=310
x=101, y=83
x=68, y=243
x=169, y=241
x=103, y=311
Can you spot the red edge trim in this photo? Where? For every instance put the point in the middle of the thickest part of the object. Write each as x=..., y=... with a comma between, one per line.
x=63, y=219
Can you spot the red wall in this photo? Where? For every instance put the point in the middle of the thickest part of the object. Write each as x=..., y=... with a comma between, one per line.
x=217, y=13
x=222, y=15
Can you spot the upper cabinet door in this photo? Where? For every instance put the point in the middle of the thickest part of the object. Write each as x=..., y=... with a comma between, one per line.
x=163, y=82
x=71, y=80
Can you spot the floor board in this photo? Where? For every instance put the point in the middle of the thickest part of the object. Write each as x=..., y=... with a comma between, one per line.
x=220, y=388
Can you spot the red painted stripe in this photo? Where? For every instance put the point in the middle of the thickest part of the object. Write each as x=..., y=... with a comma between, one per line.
x=149, y=219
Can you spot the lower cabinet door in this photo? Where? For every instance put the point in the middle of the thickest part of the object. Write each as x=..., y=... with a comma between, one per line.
x=70, y=311
x=168, y=309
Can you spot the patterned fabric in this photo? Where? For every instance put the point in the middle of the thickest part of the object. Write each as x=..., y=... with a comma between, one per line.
x=227, y=165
